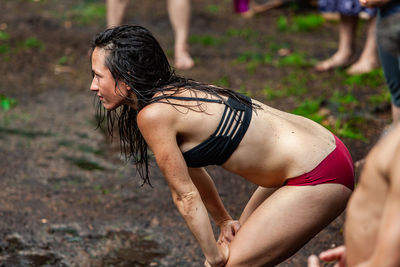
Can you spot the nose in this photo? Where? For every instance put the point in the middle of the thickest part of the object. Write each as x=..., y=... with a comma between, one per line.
x=94, y=86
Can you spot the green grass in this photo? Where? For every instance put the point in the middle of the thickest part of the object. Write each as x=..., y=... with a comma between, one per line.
x=32, y=43
x=270, y=93
x=25, y=133
x=379, y=99
x=85, y=164
x=101, y=189
x=63, y=60
x=309, y=108
x=205, y=40
x=295, y=84
x=282, y=23
x=349, y=129
x=5, y=49
x=294, y=59
x=212, y=9
x=307, y=23
x=6, y=103
x=244, y=91
x=246, y=33
x=301, y=23
x=253, y=60
x=88, y=12
x=374, y=78
x=223, y=82
x=4, y=36
x=344, y=101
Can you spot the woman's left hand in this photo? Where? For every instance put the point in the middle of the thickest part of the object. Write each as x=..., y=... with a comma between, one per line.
x=224, y=250
x=228, y=228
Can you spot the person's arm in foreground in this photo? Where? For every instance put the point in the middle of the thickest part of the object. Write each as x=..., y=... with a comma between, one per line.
x=214, y=205
x=386, y=252
x=160, y=134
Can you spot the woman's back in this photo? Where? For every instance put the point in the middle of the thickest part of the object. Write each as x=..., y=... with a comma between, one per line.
x=276, y=146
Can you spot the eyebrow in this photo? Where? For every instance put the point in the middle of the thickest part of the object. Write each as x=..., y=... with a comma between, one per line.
x=95, y=72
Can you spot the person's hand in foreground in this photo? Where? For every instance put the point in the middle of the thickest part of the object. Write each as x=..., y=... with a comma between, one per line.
x=337, y=254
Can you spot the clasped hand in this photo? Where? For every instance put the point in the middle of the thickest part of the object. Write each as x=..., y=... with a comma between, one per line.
x=228, y=230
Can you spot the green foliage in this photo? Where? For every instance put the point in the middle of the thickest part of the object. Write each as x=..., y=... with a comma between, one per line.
x=85, y=164
x=282, y=23
x=307, y=23
x=374, y=78
x=88, y=12
x=295, y=84
x=294, y=59
x=378, y=99
x=300, y=23
x=245, y=33
x=213, y=8
x=205, y=40
x=244, y=91
x=63, y=60
x=349, y=129
x=253, y=60
x=309, y=108
x=102, y=189
x=223, y=82
x=4, y=36
x=344, y=102
x=270, y=93
x=7, y=103
x=33, y=42
x=4, y=49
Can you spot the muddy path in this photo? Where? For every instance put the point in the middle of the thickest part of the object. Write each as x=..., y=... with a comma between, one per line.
x=69, y=199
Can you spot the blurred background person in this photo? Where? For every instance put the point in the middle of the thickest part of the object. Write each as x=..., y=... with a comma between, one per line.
x=388, y=47
x=179, y=15
x=345, y=56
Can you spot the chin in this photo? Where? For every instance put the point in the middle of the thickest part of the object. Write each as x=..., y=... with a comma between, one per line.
x=110, y=107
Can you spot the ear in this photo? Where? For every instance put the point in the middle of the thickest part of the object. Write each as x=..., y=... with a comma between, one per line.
x=127, y=87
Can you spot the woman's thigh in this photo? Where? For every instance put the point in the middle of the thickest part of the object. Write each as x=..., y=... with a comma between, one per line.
x=284, y=222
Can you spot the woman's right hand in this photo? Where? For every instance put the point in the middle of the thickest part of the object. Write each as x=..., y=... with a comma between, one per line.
x=229, y=229
x=223, y=249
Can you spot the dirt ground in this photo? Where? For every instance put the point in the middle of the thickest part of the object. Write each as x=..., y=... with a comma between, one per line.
x=68, y=197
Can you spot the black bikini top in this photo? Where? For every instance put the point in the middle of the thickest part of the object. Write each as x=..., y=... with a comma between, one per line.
x=217, y=148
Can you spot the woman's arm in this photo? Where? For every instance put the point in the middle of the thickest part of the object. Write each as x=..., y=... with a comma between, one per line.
x=157, y=124
x=213, y=203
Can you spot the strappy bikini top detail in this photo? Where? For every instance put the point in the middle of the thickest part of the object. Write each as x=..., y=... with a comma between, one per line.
x=217, y=148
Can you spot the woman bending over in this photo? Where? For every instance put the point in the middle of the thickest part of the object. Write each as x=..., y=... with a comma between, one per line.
x=304, y=172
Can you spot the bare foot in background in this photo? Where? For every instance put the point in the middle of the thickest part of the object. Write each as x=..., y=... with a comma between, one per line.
x=183, y=61
x=363, y=66
x=337, y=60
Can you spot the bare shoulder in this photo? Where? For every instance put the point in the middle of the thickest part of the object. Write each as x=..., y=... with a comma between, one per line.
x=386, y=153
x=155, y=116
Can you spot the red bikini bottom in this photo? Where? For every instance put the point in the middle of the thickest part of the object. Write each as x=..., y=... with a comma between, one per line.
x=336, y=168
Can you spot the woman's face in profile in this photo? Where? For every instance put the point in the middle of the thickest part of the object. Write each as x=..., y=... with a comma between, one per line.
x=103, y=83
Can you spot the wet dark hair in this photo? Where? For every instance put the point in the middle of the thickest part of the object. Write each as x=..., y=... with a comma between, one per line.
x=136, y=58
